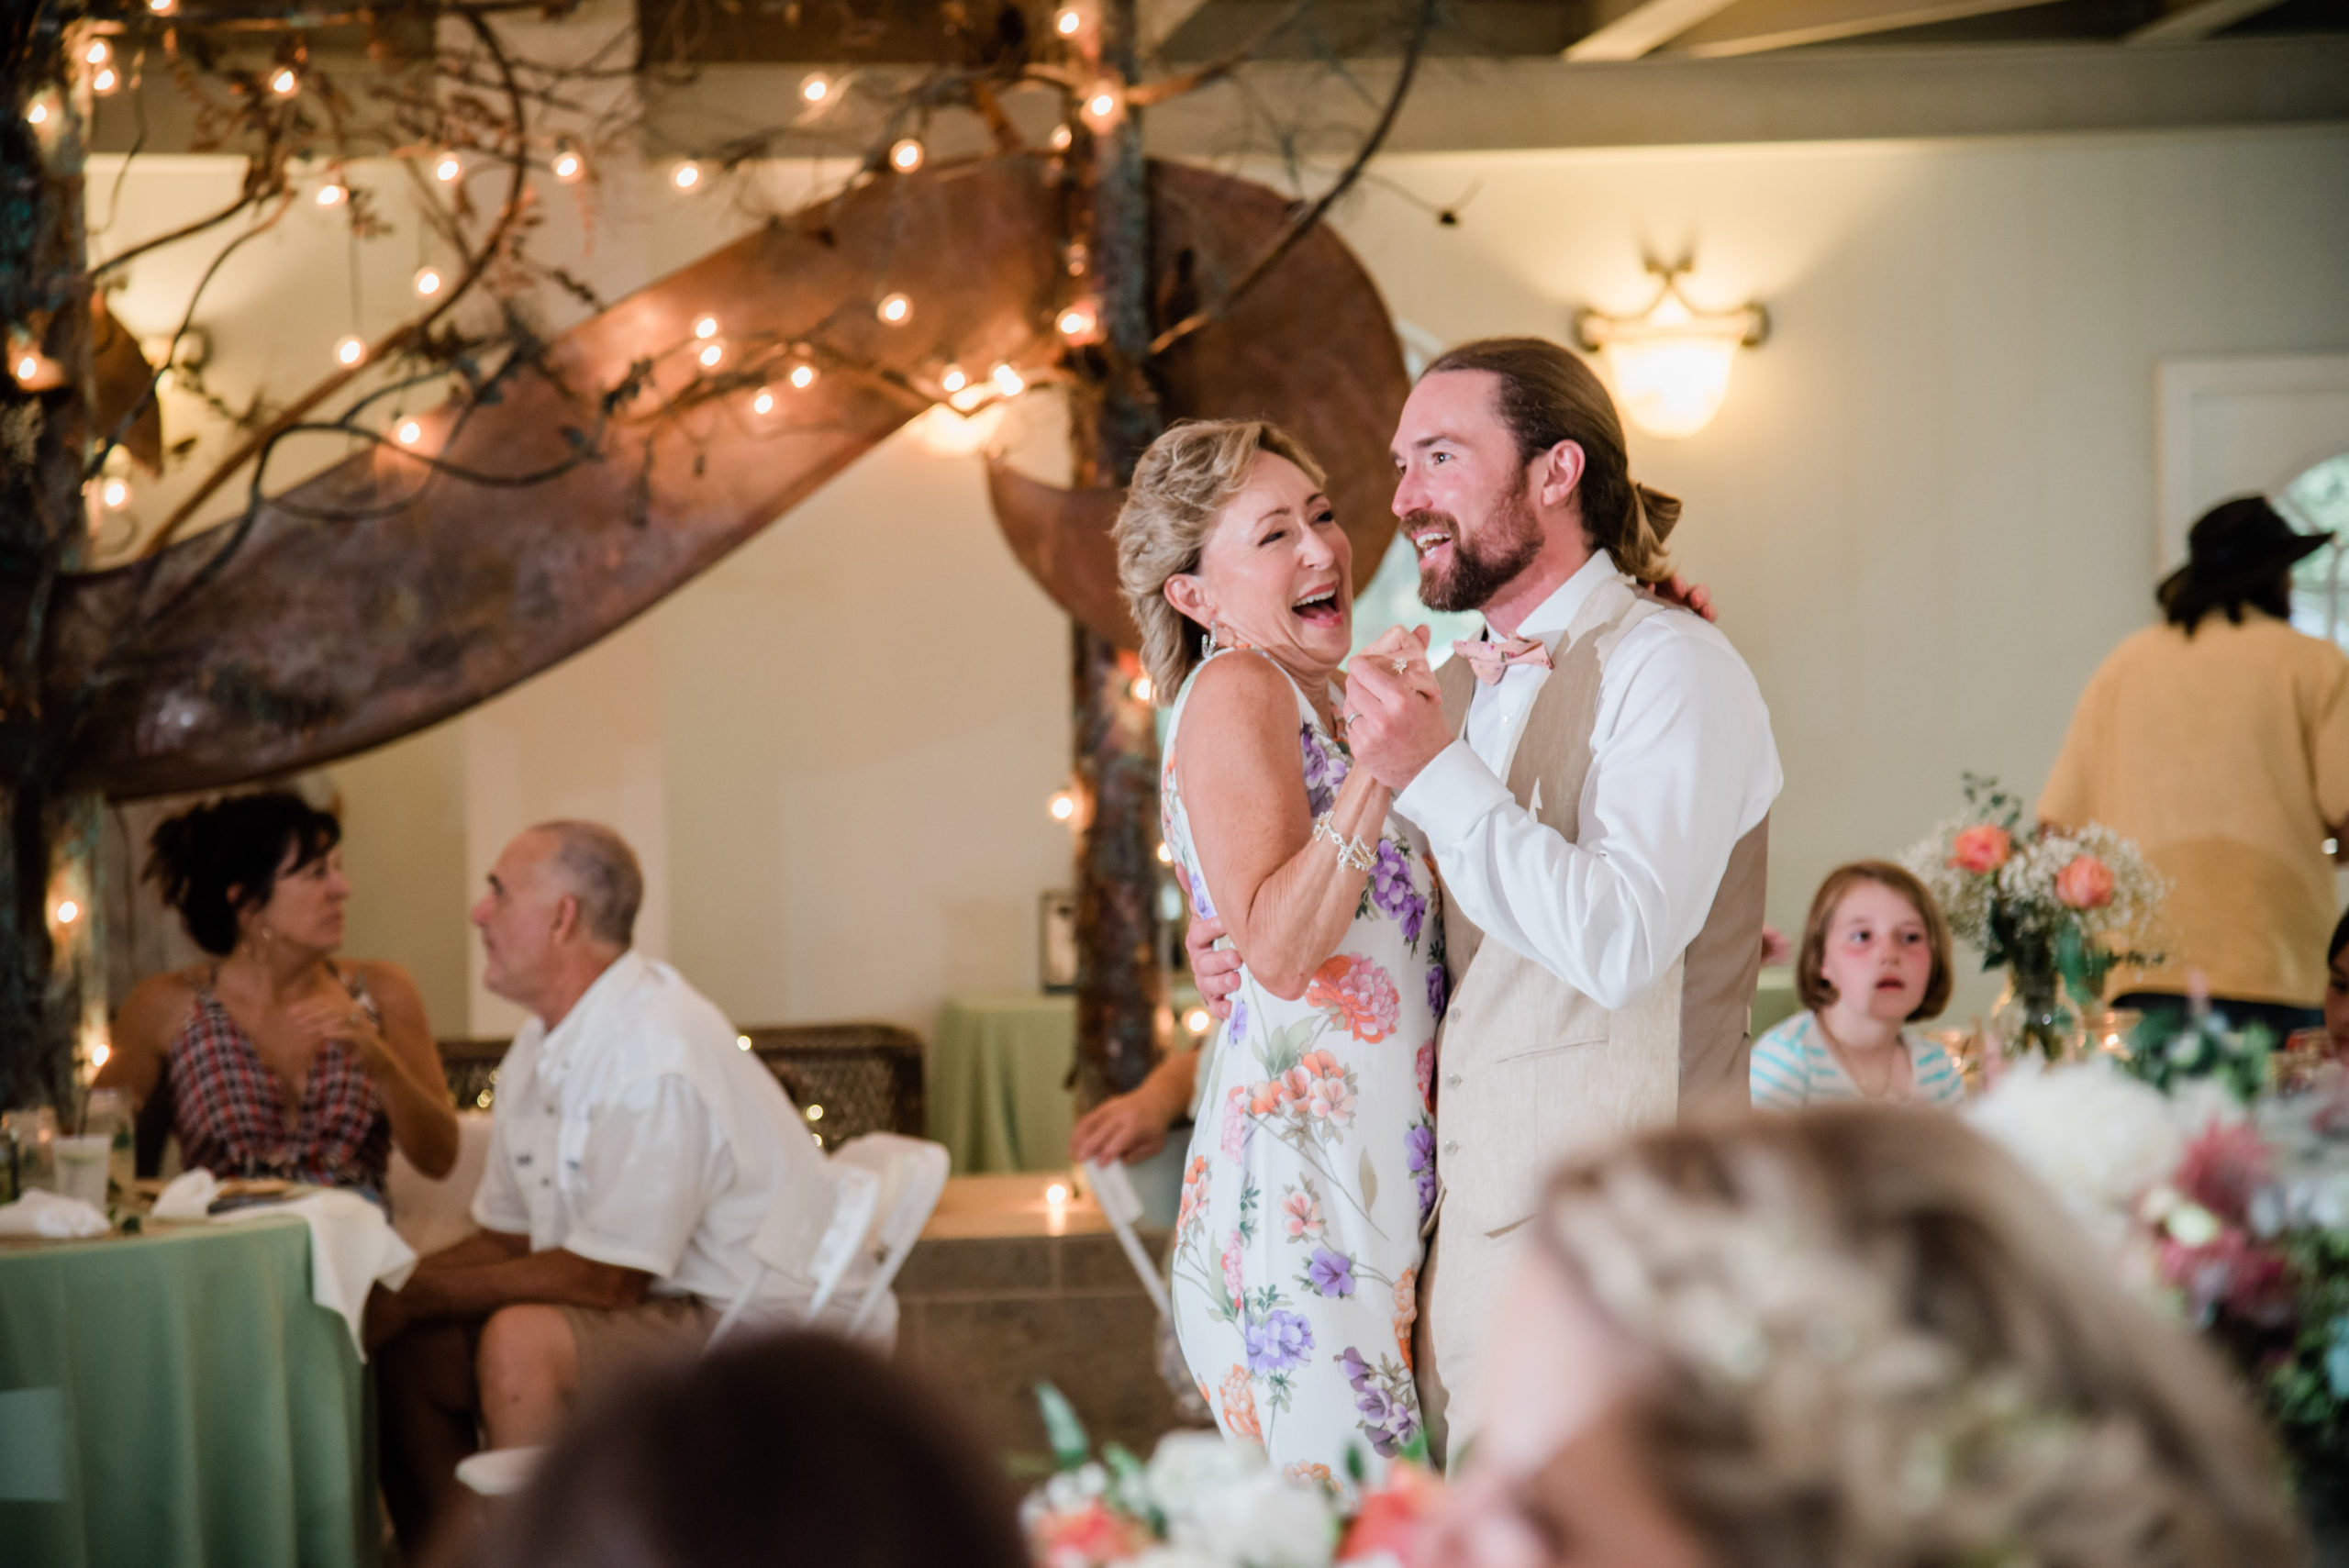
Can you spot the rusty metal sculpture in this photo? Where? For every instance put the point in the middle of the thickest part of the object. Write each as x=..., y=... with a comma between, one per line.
x=403, y=585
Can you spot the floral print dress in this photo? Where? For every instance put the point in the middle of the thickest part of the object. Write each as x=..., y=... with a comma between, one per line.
x=1312, y=1168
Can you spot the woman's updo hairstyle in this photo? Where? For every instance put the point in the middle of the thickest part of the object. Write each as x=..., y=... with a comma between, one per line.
x=216, y=861
x=1180, y=487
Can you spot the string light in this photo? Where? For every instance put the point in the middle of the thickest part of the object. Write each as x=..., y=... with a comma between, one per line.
x=162, y=7
x=1142, y=688
x=1166, y=856
x=427, y=280
x=447, y=167
x=104, y=80
x=895, y=309
x=803, y=377
x=567, y=165
x=1076, y=322
x=350, y=352
x=815, y=1113
x=1056, y=1194
x=334, y=192
x=409, y=433
x=1103, y=104
x=284, y=82
x=763, y=403
x=1063, y=138
x=99, y=1052
x=28, y=366
x=685, y=176
x=906, y=156
x=68, y=911
x=711, y=353
x=953, y=380
x=1079, y=258
x=1007, y=381
x=116, y=494
x=815, y=87
x=1198, y=1020
x=742, y=1042
x=1067, y=23
x=36, y=114
x=1063, y=806
x=98, y=53
x=705, y=327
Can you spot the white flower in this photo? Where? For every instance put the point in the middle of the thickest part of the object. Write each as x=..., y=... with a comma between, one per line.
x=1261, y=1521
x=1190, y=1471
x=2099, y=1138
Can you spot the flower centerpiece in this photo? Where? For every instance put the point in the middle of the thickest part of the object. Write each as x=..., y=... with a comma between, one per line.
x=2056, y=908
x=2181, y=1178
x=1208, y=1501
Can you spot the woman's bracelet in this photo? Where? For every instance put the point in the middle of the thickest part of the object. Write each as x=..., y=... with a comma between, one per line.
x=1356, y=856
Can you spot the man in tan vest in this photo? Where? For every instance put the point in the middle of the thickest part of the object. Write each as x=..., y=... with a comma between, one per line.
x=1594, y=777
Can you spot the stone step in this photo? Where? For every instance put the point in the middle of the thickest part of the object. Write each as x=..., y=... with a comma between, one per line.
x=1007, y=1289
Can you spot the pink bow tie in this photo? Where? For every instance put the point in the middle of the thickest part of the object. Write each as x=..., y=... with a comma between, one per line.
x=1491, y=660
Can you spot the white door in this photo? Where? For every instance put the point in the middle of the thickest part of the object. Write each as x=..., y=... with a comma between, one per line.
x=2233, y=425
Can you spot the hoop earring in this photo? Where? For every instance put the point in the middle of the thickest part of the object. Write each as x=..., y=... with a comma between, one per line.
x=1209, y=645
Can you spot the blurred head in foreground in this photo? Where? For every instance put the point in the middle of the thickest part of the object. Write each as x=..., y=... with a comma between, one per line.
x=798, y=1450
x=1855, y=1336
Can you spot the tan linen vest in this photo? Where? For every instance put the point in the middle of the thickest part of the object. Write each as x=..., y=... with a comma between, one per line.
x=1529, y=1070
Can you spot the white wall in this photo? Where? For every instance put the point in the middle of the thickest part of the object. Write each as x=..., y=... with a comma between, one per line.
x=1925, y=508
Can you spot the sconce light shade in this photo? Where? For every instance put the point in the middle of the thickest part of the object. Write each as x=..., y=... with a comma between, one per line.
x=1671, y=366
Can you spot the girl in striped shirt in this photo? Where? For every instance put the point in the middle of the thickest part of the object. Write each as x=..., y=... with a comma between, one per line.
x=1875, y=955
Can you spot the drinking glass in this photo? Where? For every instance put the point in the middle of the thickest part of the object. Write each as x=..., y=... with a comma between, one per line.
x=108, y=1116
x=34, y=1130
x=81, y=1168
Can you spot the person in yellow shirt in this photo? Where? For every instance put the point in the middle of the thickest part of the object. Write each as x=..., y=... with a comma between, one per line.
x=2219, y=740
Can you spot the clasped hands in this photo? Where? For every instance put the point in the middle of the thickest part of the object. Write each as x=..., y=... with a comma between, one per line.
x=1394, y=712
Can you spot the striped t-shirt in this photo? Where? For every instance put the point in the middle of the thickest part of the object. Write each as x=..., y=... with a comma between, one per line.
x=1793, y=1068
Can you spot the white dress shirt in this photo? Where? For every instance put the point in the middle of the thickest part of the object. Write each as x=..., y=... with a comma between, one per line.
x=1682, y=767
x=636, y=1133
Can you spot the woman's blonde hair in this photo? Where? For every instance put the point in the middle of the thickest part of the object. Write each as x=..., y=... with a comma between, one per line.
x=1811, y=984
x=1878, y=1340
x=1180, y=488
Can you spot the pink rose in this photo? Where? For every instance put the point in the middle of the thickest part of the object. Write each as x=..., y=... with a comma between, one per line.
x=1982, y=849
x=1235, y=1283
x=2085, y=883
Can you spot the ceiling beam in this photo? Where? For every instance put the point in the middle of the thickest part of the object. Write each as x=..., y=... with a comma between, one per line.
x=1638, y=28
x=2197, y=19
x=1757, y=27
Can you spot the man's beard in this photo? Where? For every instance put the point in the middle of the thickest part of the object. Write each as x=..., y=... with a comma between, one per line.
x=1482, y=569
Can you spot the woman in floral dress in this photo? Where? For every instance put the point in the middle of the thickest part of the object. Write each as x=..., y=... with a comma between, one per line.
x=1311, y=1171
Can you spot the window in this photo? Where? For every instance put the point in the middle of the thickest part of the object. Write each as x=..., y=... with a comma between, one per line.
x=2318, y=502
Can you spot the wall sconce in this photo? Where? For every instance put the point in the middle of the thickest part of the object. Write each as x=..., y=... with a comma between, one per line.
x=1671, y=362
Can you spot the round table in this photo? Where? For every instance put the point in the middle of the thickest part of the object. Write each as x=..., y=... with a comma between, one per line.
x=177, y=1400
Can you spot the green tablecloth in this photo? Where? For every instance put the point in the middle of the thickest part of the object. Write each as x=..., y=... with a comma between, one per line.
x=996, y=1084
x=179, y=1400
x=998, y=1076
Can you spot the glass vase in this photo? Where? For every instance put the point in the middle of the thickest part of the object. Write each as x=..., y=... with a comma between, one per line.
x=2034, y=1016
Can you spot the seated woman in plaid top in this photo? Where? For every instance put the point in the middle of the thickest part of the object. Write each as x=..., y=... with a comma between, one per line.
x=278, y=1059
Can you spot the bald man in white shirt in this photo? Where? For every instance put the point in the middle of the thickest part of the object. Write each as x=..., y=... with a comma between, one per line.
x=635, y=1152
x=1594, y=776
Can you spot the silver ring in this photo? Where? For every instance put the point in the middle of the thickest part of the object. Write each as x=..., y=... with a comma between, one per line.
x=1402, y=666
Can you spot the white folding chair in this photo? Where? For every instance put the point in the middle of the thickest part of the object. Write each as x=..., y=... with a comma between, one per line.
x=912, y=1174
x=1121, y=1206
x=812, y=1234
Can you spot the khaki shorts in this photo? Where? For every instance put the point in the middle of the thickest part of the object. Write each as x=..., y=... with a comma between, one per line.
x=614, y=1342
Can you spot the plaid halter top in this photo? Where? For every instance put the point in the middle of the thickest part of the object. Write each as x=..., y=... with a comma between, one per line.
x=229, y=1109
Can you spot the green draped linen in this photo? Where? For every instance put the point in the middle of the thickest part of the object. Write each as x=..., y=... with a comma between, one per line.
x=178, y=1400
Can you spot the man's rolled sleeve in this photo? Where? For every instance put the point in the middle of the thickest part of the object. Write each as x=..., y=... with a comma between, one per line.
x=642, y=1179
